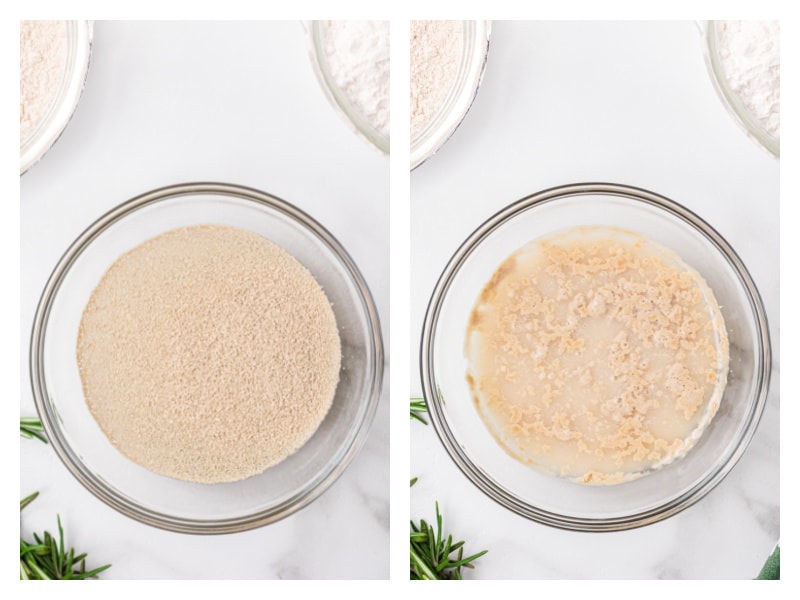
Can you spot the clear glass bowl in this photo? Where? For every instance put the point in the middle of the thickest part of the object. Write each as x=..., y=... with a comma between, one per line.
x=179, y=505
x=733, y=103
x=427, y=141
x=340, y=101
x=553, y=500
x=42, y=137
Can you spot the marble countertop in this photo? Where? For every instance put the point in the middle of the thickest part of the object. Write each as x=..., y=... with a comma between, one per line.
x=631, y=103
x=236, y=102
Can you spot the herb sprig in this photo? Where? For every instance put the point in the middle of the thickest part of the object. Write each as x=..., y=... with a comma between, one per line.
x=431, y=552
x=418, y=407
x=31, y=427
x=47, y=558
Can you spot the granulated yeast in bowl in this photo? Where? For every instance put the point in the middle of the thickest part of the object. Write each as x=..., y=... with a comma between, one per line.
x=208, y=354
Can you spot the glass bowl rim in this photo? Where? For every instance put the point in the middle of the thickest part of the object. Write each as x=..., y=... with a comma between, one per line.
x=304, y=495
x=476, y=474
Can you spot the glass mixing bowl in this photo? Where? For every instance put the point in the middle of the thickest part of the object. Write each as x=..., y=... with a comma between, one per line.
x=732, y=101
x=340, y=101
x=63, y=104
x=557, y=501
x=179, y=505
x=428, y=140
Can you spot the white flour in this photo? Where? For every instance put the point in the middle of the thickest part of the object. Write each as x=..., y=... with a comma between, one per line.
x=751, y=59
x=42, y=59
x=358, y=56
x=436, y=48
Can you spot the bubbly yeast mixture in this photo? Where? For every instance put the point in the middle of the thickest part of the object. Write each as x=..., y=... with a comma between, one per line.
x=596, y=354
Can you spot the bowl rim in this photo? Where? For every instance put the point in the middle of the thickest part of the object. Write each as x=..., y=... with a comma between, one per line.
x=477, y=475
x=730, y=99
x=96, y=485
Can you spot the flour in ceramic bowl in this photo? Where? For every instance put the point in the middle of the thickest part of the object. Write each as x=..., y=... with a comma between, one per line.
x=358, y=58
x=750, y=55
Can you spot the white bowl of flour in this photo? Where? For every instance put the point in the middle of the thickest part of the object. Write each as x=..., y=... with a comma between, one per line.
x=54, y=61
x=447, y=64
x=743, y=58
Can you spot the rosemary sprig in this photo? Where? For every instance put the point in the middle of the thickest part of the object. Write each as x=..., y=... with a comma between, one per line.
x=31, y=427
x=431, y=552
x=47, y=558
x=418, y=406
x=27, y=500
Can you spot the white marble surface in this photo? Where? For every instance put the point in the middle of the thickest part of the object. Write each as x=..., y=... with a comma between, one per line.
x=171, y=102
x=631, y=103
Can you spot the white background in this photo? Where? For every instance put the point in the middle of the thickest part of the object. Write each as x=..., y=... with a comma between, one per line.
x=175, y=102
x=630, y=103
